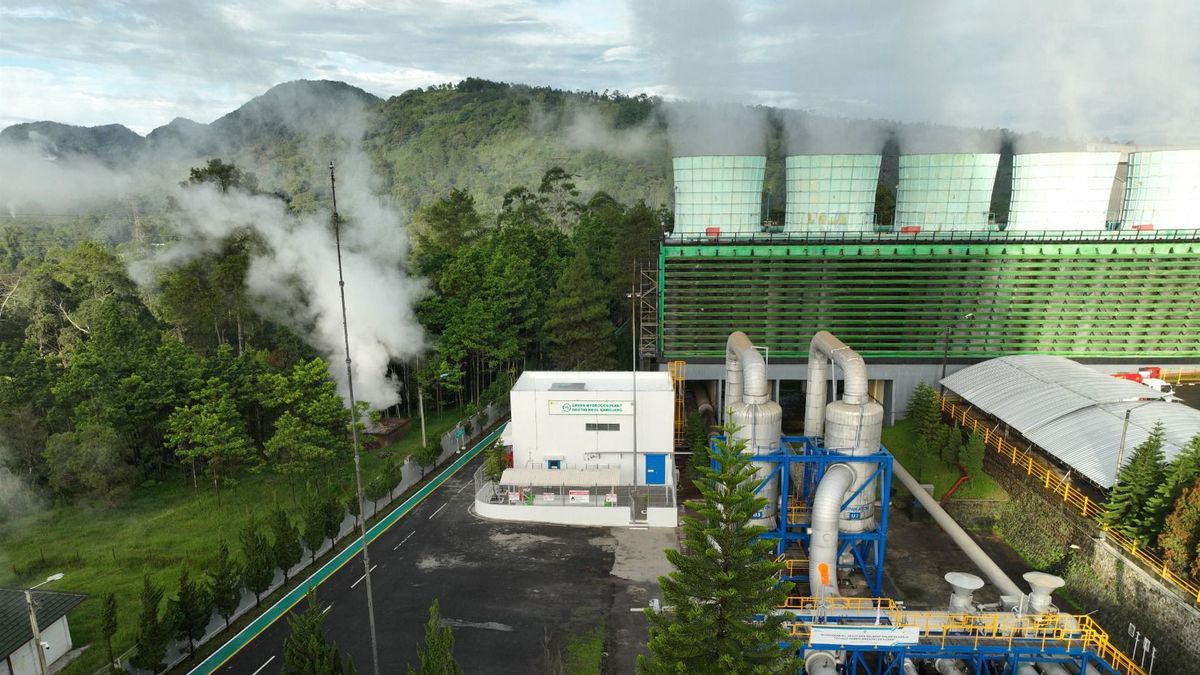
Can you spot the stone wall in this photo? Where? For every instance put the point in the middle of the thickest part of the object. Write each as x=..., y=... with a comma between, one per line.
x=976, y=514
x=1050, y=535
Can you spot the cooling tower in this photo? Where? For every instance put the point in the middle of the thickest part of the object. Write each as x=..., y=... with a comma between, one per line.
x=723, y=192
x=946, y=192
x=1162, y=191
x=831, y=193
x=1061, y=190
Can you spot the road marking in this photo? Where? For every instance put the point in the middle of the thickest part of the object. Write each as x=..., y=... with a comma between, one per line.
x=488, y=625
x=464, y=487
x=264, y=665
x=326, y=610
x=364, y=576
x=410, y=534
x=439, y=510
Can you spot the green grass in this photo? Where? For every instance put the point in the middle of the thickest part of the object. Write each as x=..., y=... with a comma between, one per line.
x=159, y=530
x=585, y=652
x=908, y=449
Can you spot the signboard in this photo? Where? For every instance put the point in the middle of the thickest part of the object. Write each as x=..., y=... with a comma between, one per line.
x=460, y=432
x=866, y=636
x=590, y=407
x=547, y=498
x=514, y=497
x=579, y=497
x=610, y=499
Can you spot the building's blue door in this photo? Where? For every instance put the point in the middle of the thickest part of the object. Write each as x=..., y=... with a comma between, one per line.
x=656, y=469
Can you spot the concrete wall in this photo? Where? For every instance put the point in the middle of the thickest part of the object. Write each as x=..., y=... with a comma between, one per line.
x=1098, y=576
x=541, y=431
x=58, y=634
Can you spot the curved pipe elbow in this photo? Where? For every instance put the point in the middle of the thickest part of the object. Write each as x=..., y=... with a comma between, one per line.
x=742, y=358
x=854, y=369
x=826, y=513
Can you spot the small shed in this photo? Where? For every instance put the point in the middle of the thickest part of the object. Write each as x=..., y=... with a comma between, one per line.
x=16, y=635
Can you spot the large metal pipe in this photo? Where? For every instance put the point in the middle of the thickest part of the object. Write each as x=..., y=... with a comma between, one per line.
x=758, y=419
x=963, y=540
x=704, y=404
x=820, y=663
x=1026, y=669
x=948, y=666
x=823, y=348
x=745, y=371
x=823, y=544
x=1052, y=668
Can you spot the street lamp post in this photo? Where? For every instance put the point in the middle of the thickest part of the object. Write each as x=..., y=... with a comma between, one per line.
x=633, y=340
x=33, y=624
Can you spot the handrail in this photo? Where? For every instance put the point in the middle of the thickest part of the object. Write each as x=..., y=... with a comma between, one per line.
x=1036, y=631
x=946, y=236
x=1086, y=506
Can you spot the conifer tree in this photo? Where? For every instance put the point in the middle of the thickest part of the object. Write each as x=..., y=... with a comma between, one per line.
x=724, y=577
x=972, y=454
x=305, y=651
x=258, y=567
x=190, y=611
x=1179, y=474
x=950, y=443
x=578, y=331
x=924, y=413
x=286, y=550
x=150, y=645
x=697, y=440
x=1180, y=540
x=225, y=584
x=108, y=625
x=331, y=517
x=1137, y=482
x=437, y=654
x=314, y=523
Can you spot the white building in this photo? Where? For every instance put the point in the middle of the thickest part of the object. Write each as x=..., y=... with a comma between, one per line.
x=16, y=635
x=595, y=421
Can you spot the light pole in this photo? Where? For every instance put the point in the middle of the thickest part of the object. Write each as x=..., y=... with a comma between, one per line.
x=421, y=406
x=33, y=624
x=946, y=350
x=633, y=340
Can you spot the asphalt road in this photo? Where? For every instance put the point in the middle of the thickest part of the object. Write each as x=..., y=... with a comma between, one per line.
x=507, y=589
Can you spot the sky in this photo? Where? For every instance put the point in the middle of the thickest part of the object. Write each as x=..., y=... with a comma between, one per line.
x=1094, y=69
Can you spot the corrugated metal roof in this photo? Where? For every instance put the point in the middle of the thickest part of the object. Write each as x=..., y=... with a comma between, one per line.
x=50, y=606
x=1073, y=412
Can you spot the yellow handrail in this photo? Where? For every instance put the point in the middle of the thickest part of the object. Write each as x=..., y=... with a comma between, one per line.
x=1058, y=485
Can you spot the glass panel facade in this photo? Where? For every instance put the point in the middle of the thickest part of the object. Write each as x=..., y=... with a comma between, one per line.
x=831, y=193
x=1062, y=190
x=1163, y=190
x=719, y=191
x=946, y=192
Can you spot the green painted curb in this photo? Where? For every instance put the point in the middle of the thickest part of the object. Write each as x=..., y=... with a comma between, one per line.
x=264, y=620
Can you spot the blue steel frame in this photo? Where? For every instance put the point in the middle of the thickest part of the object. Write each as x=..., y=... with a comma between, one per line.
x=866, y=548
x=980, y=659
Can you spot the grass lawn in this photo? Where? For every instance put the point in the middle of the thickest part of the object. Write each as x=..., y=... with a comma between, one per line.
x=909, y=450
x=159, y=530
x=584, y=653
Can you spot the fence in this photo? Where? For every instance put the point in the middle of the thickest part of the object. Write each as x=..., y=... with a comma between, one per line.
x=1087, y=507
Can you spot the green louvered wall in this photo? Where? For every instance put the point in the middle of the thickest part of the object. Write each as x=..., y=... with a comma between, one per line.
x=1080, y=300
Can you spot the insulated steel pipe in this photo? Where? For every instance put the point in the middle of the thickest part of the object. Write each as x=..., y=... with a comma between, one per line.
x=948, y=666
x=823, y=348
x=1051, y=668
x=820, y=663
x=963, y=540
x=759, y=420
x=823, y=543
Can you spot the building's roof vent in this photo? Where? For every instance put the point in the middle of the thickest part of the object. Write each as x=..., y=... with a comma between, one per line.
x=567, y=386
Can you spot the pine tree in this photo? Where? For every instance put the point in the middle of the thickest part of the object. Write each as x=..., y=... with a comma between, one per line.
x=258, y=567
x=724, y=576
x=190, y=611
x=1137, y=482
x=108, y=625
x=1180, y=473
x=697, y=441
x=578, y=332
x=314, y=523
x=151, y=641
x=924, y=412
x=437, y=654
x=225, y=584
x=1180, y=540
x=305, y=651
x=971, y=455
x=286, y=550
x=950, y=443
x=331, y=517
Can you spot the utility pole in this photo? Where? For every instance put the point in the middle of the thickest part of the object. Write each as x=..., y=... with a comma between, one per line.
x=362, y=520
x=33, y=624
x=633, y=340
x=1121, y=450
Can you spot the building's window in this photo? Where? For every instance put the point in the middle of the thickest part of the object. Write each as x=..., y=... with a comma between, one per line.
x=554, y=464
x=596, y=426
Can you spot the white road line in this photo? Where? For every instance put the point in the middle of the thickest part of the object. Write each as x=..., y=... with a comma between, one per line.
x=264, y=665
x=464, y=487
x=439, y=510
x=326, y=610
x=410, y=534
x=364, y=576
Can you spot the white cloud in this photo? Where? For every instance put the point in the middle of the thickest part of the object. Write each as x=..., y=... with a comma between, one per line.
x=622, y=53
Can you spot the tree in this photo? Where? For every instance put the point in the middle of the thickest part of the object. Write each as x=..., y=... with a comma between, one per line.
x=496, y=463
x=427, y=455
x=332, y=512
x=1180, y=473
x=89, y=462
x=972, y=454
x=311, y=429
x=150, y=644
x=578, y=332
x=108, y=625
x=441, y=229
x=225, y=584
x=211, y=430
x=313, y=533
x=258, y=567
x=696, y=437
x=190, y=610
x=1136, y=483
x=223, y=175
x=724, y=577
x=924, y=412
x=286, y=550
x=437, y=654
x=950, y=442
x=1180, y=540
x=305, y=650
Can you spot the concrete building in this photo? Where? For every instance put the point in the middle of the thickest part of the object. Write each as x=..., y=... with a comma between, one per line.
x=595, y=421
x=16, y=635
